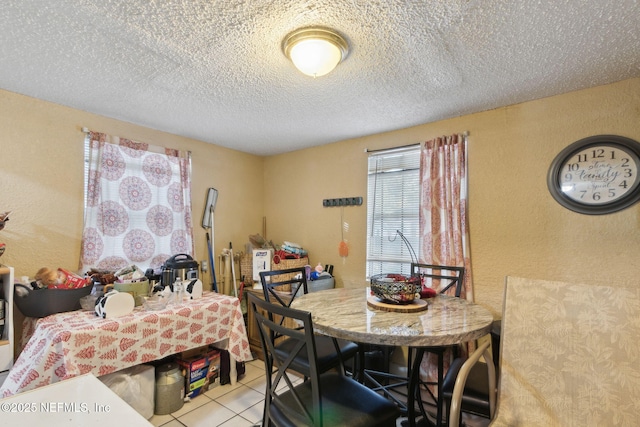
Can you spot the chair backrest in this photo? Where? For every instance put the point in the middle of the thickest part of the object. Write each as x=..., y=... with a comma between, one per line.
x=440, y=277
x=284, y=375
x=284, y=285
x=569, y=355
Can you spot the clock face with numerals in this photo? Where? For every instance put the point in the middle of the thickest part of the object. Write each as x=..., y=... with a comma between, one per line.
x=596, y=175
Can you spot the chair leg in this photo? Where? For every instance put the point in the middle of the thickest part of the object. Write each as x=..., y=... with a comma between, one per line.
x=341, y=368
x=413, y=391
x=361, y=361
x=439, y=388
x=437, y=398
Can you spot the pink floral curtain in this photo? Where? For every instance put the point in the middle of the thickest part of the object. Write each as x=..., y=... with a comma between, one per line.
x=138, y=209
x=444, y=233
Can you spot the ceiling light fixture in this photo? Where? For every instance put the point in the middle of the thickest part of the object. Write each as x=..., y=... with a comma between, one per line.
x=315, y=51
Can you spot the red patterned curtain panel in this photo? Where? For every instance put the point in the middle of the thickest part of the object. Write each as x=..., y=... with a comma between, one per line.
x=444, y=233
x=138, y=208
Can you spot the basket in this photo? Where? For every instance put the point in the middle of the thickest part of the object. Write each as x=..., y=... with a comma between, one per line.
x=45, y=302
x=395, y=288
x=286, y=264
x=246, y=269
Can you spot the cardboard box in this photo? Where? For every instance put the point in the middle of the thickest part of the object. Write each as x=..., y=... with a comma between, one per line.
x=201, y=370
x=72, y=280
x=195, y=374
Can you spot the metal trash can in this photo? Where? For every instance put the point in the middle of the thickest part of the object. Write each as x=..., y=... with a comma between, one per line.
x=169, y=389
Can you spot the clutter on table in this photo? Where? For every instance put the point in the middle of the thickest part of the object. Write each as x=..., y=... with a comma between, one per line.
x=180, y=266
x=155, y=302
x=176, y=281
x=45, y=302
x=114, y=304
x=57, y=279
x=50, y=292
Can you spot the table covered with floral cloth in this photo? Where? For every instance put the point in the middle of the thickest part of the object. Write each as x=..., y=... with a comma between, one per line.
x=69, y=344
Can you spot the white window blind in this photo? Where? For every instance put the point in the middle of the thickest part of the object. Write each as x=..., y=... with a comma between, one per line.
x=87, y=144
x=393, y=202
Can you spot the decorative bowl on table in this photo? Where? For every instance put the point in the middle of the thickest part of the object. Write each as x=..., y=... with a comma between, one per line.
x=88, y=303
x=395, y=288
x=155, y=302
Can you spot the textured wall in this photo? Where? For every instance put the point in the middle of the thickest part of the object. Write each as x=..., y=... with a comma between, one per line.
x=41, y=181
x=517, y=228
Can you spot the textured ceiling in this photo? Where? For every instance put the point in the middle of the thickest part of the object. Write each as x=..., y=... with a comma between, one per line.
x=214, y=70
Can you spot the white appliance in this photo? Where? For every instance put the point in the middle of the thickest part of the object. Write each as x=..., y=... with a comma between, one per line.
x=193, y=288
x=261, y=262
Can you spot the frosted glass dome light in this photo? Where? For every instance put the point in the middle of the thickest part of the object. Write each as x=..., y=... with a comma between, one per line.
x=315, y=51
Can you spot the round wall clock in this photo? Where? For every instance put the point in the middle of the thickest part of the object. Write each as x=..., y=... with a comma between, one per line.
x=596, y=175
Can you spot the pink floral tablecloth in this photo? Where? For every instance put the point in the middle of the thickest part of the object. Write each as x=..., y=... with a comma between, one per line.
x=69, y=344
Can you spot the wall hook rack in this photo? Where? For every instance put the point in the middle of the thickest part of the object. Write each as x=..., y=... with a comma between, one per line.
x=343, y=201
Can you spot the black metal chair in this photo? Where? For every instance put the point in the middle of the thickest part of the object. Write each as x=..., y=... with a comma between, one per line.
x=444, y=280
x=284, y=286
x=321, y=399
x=441, y=278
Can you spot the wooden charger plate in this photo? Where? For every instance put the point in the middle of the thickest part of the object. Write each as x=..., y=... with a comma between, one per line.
x=413, y=307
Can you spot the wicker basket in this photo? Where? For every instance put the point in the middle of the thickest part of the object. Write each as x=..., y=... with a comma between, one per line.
x=246, y=268
x=284, y=265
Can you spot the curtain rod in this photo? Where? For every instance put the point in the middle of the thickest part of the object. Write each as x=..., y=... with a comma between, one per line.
x=366, y=150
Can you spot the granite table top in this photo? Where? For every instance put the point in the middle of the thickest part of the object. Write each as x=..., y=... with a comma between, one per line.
x=343, y=313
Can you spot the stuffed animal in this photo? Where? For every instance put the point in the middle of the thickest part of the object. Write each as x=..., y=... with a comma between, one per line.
x=48, y=278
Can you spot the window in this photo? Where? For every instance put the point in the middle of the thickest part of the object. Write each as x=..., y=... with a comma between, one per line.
x=87, y=153
x=137, y=204
x=393, y=205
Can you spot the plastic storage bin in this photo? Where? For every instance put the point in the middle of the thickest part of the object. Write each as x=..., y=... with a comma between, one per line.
x=320, y=284
x=134, y=385
x=44, y=302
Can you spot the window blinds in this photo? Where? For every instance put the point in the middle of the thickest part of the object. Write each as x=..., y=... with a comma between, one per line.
x=393, y=202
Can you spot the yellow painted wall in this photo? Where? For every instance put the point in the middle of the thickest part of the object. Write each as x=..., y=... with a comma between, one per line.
x=41, y=182
x=517, y=228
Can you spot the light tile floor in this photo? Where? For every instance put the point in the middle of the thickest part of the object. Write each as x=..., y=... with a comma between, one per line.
x=229, y=405
x=236, y=405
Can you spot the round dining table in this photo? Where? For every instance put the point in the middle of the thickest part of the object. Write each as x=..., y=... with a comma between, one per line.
x=352, y=314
